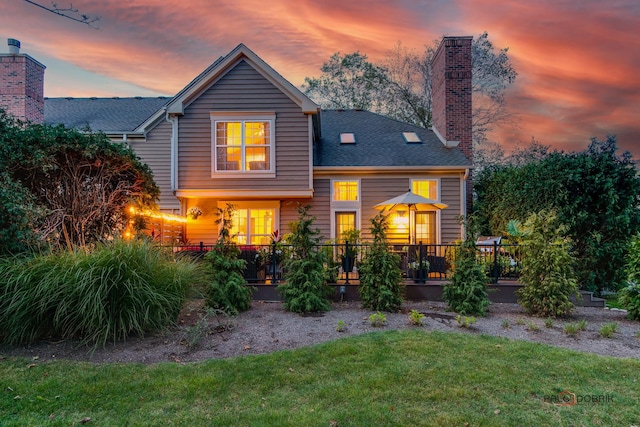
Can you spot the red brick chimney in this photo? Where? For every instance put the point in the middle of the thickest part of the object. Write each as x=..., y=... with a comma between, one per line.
x=21, y=84
x=451, y=102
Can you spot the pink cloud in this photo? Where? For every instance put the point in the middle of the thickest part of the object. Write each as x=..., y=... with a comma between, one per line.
x=577, y=60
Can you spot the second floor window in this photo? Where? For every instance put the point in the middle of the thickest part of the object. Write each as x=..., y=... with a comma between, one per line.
x=243, y=145
x=427, y=188
x=345, y=191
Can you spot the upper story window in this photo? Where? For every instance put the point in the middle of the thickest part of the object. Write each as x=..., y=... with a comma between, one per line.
x=345, y=191
x=427, y=188
x=243, y=143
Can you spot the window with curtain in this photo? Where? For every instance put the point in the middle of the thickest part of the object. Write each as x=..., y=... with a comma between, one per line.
x=243, y=144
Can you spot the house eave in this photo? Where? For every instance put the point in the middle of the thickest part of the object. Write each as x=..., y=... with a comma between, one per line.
x=244, y=194
x=346, y=170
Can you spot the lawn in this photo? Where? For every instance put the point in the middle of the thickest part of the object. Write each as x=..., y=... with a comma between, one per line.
x=407, y=377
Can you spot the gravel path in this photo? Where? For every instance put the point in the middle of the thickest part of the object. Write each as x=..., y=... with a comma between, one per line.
x=267, y=327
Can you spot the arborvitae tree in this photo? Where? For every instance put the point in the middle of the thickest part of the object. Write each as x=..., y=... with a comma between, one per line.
x=305, y=289
x=547, y=273
x=228, y=290
x=467, y=292
x=381, y=286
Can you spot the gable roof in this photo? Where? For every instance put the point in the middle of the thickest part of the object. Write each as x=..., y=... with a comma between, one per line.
x=216, y=70
x=223, y=64
x=379, y=142
x=110, y=115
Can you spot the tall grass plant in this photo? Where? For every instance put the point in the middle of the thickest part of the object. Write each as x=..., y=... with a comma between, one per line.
x=115, y=291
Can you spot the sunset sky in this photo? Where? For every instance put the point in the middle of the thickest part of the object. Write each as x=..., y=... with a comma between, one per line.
x=578, y=61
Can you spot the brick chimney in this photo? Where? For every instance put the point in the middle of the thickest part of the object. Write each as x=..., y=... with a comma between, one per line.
x=451, y=102
x=21, y=84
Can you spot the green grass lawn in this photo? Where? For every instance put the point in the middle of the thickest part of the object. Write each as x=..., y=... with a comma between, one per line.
x=384, y=378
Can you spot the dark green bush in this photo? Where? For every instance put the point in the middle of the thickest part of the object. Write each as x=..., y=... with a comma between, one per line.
x=629, y=298
x=380, y=276
x=547, y=272
x=117, y=290
x=227, y=289
x=467, y=292
x=305, y=289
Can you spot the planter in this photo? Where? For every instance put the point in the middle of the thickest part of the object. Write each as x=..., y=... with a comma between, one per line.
x=419, y=276
x=348, y=263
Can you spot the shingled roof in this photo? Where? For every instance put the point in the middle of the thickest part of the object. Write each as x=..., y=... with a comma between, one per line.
x=110, y=115
x=378, y=139
x=379, y=142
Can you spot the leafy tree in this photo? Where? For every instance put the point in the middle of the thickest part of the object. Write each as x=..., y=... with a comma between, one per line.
x=228, y=290
x=305, y=289
x=380, y=276
x=400, y=87
x=74, y=185
x=547, y=271
x=349, y=81
x=594, y=192
x=467, y=292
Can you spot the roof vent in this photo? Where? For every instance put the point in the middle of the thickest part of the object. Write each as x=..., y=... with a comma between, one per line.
x=14, y=46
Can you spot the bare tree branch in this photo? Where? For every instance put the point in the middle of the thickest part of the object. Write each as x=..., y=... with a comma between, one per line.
x=69, y=13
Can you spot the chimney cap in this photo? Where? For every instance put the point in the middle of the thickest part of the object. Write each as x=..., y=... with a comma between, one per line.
x=14, y=46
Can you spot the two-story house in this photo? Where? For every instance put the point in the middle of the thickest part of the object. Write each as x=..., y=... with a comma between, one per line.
x=240, y=133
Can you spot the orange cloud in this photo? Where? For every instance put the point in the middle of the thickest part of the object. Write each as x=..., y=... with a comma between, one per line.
x=577, y=60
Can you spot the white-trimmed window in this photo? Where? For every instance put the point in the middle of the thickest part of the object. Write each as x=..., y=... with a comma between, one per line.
x=345, y=191
x=253, y=226
x=345, y=205
x=427, y=188
x=243, y=143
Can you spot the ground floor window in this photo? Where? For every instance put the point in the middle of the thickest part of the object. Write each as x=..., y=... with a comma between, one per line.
x=253, y=226
x=345, y=221
x=425, y=230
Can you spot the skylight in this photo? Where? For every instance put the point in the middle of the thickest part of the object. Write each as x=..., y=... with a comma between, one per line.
x=347, y=138
x=411, y=137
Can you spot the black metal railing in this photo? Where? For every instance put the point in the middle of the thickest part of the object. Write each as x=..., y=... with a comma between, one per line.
x=419, y=262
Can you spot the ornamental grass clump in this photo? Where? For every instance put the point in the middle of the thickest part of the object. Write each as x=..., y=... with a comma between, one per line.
x=117, y=290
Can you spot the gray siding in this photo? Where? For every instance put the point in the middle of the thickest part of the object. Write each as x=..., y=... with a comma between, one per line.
x=156, y=153
x=449, y=223
x=244, y=89
x=320, y=208
x=374, y=191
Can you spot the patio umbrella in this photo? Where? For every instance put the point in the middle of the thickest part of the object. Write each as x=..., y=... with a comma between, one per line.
x=410, y=201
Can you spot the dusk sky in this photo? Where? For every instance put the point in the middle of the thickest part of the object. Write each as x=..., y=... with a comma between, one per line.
x=578, y=61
